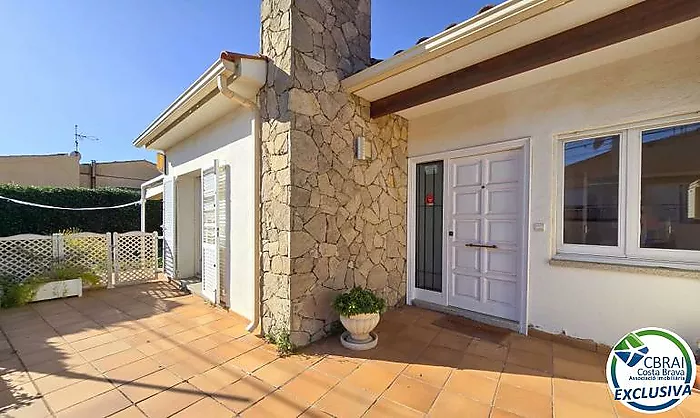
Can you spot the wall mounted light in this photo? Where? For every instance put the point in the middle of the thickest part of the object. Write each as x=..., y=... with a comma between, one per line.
x=362, y=149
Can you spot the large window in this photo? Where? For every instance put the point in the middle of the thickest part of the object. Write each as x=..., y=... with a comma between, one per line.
x=632, y=194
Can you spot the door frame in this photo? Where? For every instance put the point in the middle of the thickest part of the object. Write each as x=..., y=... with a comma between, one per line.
x=411, y=291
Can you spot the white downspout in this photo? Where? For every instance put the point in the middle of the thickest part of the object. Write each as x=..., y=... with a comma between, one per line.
x=222, y=82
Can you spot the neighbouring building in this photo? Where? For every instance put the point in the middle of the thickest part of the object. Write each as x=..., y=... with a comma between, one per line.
x=65, y=170
x=58, y=170
x=531, y=167
x=126, y=174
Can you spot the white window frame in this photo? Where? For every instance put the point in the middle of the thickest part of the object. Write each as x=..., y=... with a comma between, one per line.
x=605, y=250
x=628, y=250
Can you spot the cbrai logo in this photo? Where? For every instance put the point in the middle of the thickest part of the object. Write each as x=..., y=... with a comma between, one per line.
x=651, y=370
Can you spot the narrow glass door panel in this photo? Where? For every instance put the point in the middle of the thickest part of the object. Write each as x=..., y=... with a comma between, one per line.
x=429, y=207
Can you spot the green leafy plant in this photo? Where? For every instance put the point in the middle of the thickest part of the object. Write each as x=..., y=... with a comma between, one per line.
x=283, y=342
x=14, y=292
x=63, y=271
x=358, y=301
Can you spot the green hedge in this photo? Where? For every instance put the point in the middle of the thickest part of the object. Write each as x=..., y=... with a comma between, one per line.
x=21, y=219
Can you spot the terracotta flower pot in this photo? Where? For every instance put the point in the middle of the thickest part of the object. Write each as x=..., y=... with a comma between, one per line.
x=359, y=326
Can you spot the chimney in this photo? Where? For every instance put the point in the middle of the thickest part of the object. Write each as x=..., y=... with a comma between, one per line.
x=329, y=221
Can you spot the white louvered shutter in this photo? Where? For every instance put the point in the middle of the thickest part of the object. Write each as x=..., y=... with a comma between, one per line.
x=222, y=209
x=210, y=247
x=169, y=245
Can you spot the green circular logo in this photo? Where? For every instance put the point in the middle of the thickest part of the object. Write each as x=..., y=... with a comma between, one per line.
x=651, y=370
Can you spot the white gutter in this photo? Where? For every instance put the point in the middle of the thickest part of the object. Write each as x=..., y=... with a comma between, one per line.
x=154, y=180
x=500, y=17
x=223, y=80
x=180, y=105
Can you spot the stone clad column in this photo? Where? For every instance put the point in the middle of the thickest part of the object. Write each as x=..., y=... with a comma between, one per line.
x=276, y=170
x=330, y=222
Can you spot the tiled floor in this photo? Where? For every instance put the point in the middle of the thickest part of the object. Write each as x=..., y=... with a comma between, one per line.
x=150, y=351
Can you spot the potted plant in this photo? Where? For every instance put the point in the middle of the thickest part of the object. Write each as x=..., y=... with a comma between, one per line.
x=359, y=311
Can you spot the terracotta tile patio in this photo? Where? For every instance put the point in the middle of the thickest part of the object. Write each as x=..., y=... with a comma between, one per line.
x=152, y=351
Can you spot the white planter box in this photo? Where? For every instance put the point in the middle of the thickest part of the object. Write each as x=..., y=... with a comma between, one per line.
x=59, y=289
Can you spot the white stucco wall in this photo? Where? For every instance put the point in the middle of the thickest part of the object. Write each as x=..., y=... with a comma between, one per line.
x=231, y=141
x=584, y=303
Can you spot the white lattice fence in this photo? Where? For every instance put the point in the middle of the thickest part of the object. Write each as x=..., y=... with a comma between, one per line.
x=118, y=259
x=91, y=251
x=23, y=256
x=135, y=257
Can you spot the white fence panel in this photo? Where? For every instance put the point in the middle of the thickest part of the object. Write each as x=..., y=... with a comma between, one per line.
x=135, y=257
x=91, y=251
x=26, y=255
x=117, y=259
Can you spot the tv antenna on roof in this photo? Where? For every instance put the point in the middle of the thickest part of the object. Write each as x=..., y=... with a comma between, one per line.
x=82, y=137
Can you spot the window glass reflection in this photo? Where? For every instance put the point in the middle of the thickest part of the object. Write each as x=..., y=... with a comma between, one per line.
x=670, y=195
x=591, y=185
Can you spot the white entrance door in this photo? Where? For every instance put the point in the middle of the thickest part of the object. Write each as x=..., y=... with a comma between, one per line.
x=485, y=218
x=210, y=262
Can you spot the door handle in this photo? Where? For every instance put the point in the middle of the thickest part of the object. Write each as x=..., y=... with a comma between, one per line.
x=480, y=245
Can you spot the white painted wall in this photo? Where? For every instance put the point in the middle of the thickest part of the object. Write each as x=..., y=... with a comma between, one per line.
x=584, y=303
x=231, y=141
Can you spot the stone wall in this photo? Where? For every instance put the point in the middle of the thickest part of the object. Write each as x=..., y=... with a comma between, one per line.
x=331, y=222
x=276, y=172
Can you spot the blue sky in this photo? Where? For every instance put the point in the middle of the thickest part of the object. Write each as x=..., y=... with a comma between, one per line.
x=112, y=66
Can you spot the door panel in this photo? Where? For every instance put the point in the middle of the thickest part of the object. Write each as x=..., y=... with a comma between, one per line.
x=503, y=171
x=501, y=292
x=502, y=232
x=468, y=175
x=502, y=262
x=466, y=286
x=429, y=228
x=467, y=259
x=467, y=203
x=486, y=209
x=468, y=230
x=502, y=202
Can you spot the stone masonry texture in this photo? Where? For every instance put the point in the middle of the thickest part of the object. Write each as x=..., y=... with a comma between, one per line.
x=329, y=221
